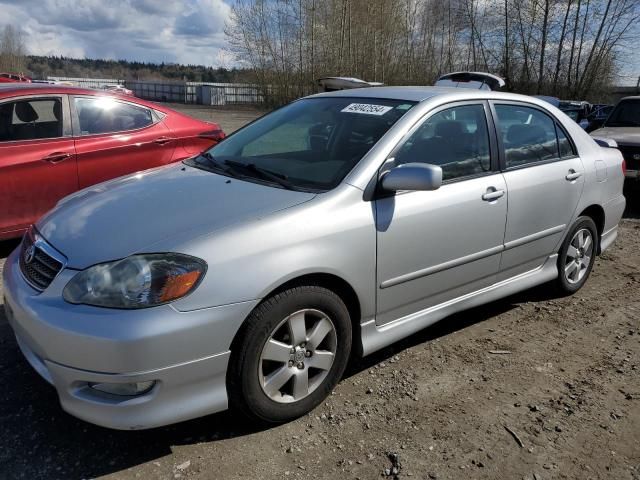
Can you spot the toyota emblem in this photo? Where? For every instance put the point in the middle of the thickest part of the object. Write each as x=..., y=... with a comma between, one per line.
x=29, y=254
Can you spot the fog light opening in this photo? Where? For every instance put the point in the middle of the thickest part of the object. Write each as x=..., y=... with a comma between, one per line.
x=124, y=389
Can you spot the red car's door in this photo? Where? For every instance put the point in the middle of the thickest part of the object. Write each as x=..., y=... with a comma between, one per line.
x=115, y=137
x=37, y=159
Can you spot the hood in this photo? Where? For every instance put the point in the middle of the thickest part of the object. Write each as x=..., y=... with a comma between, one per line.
x=624, y=135
x=124, y=216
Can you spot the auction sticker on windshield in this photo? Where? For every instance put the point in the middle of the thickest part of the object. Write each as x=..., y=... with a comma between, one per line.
x=366, y=108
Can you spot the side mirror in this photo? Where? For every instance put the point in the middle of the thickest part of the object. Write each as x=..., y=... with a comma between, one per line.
x=412, y=176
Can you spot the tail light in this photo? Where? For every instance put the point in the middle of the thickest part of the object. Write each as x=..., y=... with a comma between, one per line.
x=215, y=135
x=624, y=167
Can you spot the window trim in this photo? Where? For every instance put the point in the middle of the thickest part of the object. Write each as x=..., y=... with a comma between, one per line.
x=493, y=150
x=66, y=116
x=501, y=150
x=77, y=132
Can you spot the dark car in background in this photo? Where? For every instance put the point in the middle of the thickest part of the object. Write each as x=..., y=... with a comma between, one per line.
x=55, y=140
x=577, y=110
x=598, y=116
x=623, y=126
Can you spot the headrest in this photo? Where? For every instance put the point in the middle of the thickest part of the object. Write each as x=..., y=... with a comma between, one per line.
x=57, y=110
x=449, y=128
x=25, y=112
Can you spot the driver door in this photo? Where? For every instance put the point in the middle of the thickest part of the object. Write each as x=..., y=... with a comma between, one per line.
x=435, y=246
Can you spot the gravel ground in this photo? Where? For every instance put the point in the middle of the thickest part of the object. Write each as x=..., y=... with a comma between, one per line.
x=228, y=119
x=561, y=400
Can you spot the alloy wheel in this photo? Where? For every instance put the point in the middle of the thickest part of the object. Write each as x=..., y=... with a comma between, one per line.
x=578, y=257
x=297, y=356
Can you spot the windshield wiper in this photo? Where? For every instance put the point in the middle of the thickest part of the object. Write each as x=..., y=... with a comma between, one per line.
x=211, y=161
x=215, y=165
x=262, y=172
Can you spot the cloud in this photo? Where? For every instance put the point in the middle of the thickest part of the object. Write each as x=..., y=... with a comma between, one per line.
x=190, y=32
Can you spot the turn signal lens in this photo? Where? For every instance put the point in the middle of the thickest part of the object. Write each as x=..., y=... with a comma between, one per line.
x=179, y=285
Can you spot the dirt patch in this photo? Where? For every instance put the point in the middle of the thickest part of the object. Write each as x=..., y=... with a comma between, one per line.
x=561, y=399
x=230, y=119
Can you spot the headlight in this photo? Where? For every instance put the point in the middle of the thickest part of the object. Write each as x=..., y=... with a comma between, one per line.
x=138, y=281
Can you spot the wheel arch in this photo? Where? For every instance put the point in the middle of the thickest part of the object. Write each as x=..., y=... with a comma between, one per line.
x=596, y=213
x=332, y=282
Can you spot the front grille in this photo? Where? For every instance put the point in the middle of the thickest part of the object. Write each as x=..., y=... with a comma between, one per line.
x=38, y=267
x=629, y=152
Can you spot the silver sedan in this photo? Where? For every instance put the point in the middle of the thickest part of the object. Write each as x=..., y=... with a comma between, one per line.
x=247, y=276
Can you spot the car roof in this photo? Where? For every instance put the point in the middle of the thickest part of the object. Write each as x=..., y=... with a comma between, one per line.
x=420, y=94
x=8, y=90
x=26, y=88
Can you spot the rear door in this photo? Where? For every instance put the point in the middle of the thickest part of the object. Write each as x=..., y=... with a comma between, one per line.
x=37, y=159
x=115, y=137
x=544, y=177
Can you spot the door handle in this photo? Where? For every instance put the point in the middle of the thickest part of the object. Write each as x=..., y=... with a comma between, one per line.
x=56, y=157
x=162, y=140
x=492, y=194
x=572, y=175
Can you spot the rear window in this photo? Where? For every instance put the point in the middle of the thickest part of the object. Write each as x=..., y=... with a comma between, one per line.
x=625, y=114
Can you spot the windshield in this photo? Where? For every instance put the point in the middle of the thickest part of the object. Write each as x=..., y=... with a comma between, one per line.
x=310, y=144
x=626, y=114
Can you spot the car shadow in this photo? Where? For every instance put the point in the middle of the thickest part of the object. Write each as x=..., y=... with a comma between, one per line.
x=632, y=194
x=41, y=441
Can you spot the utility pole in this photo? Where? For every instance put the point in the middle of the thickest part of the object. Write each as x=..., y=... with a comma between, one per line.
x=506, y=42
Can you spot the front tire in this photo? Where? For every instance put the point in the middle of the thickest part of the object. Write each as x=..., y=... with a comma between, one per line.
x=290, y=354
x=577, y=255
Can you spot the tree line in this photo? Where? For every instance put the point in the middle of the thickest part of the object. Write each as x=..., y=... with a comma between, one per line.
x=14, y=59
x=53, y=66
x=565, y=48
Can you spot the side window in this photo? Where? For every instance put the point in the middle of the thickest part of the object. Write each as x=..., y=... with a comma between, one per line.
x=107, y=115
x=528, y=135
x=30, y=119
x=566, y=149
x=456, y=139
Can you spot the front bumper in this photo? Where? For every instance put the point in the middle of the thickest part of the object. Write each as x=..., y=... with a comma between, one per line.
x=71, y=346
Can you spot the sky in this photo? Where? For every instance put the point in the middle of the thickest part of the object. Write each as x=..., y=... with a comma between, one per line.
x=170, y=31
x=187, y=32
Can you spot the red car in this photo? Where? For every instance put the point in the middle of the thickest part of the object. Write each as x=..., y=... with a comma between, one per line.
x=55, y=140
x=13, y=78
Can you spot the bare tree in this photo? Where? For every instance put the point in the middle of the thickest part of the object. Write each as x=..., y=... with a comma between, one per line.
x=560, y=47
x=12, y=50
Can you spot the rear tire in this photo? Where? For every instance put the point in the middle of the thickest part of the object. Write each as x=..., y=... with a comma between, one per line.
x=290, y=354
x=577, y=255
